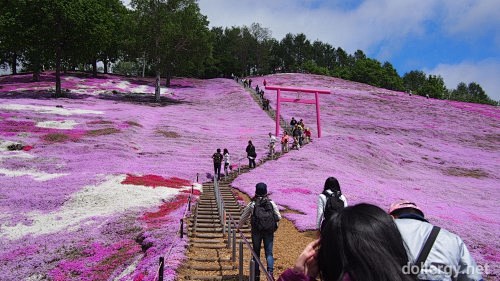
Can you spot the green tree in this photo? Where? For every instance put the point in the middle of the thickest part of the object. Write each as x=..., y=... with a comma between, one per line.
x=414, y=81
x=461, y=92
x=434, y=87
x=390, y=78
x=173, y=35
x=12, y=33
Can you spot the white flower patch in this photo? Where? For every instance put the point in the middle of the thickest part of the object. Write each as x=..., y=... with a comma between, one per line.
x=125, y=85
x=15, y=154
x=48, y=109
x=36, y=175
x=4, y=144
x=62, y=125
x=106, y=199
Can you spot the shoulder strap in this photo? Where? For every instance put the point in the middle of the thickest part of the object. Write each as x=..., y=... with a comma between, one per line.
x=427, y=247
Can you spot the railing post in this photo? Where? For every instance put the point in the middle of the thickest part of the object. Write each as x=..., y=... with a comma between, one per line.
x=160, y=270
x=240, y=263
x=233, y=259
x=182, y=228
x=252, y=270
x=223, y=217
x=229, y=235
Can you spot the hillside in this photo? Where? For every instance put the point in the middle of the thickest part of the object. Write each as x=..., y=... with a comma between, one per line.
x=101, y=184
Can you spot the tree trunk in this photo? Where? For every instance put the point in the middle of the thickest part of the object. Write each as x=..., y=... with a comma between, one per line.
x=37, y=69
x=94, y=67
x=157, y=86
x=158, y=60
x=36, y=75
x=58, y=71
x=58, y=60
x=14, y=63
x=105, y=62
x=169, y=76
x=143, y=64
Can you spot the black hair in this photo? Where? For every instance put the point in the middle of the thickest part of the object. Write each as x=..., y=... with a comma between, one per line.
x=225, y=151
x=363, y=241
x=218, y=150
x=332, y=184
x=249, y=142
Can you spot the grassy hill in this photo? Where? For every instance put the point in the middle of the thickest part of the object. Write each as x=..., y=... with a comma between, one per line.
x=101, y=183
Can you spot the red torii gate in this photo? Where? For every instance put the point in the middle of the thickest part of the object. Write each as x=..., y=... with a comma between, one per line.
x=279, y=99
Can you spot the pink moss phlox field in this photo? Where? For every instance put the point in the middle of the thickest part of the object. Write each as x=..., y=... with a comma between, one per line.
x=67, y=209
x=383, y=146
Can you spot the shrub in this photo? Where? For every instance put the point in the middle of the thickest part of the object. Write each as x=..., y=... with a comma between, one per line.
x=102, y=132
x=168, y=134
x=55, y=137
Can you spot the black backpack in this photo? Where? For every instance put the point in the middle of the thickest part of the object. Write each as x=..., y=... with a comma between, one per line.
x=217, y=158
x=333, y=204
x=264, y=220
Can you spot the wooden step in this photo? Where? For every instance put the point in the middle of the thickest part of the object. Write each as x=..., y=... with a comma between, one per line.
x=208, y=245
x=213, y=267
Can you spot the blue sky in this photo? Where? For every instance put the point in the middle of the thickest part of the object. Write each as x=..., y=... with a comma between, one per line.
x=457, y=39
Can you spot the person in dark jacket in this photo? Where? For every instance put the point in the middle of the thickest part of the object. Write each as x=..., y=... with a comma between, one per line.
x=259, y=238
x=251, y=154
x=217, y=157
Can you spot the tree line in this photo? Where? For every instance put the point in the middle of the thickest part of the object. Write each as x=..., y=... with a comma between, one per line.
x=166, y=38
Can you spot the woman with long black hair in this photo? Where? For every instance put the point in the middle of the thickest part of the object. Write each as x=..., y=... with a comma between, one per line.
x=360, y=243
x=330, y=189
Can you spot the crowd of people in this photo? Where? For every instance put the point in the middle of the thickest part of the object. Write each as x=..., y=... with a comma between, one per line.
x=363, y=242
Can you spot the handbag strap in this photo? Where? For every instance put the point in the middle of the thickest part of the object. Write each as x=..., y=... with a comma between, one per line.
x=427, y=247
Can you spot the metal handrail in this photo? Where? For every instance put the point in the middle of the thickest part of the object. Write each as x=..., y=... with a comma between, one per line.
x=249, y=246
x=231, y=231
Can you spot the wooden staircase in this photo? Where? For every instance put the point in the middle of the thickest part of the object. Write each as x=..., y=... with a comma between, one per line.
x=210, y=255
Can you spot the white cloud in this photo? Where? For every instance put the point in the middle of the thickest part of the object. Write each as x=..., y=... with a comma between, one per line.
x=486, y=73
x=471, y=17
x=369, y=24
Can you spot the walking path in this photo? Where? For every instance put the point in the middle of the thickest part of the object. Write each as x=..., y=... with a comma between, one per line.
x=211, y=254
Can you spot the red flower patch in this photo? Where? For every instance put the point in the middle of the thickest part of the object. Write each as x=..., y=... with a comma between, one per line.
x=160, y=216
x=27, y=147
x=154, y=181
x=195, y=191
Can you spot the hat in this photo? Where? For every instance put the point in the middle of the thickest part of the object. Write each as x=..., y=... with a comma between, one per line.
x=261, y=189
x=402, y=205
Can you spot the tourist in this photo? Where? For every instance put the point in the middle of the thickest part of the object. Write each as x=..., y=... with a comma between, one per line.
x=217, y=157
x=227, y=163
x=307, y=134
x=251, y=154
x=272, y=145
x=448, y=258
x=284, y=142
x=331, y=191
x=265, y=217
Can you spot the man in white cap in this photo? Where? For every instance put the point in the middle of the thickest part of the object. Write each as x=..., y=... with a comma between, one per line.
x=265, y=216
x=434, y=253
